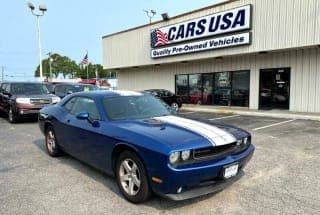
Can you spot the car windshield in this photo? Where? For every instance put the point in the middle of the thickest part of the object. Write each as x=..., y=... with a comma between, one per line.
x=80, y=88
x=134, y=107
x=29, y=89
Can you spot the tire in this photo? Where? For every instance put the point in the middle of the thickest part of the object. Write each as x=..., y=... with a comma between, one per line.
x=175, y=106
x=132, y=177
x=12, y=117
x=51, y=143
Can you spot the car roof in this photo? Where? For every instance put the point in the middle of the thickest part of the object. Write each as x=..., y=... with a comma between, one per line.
x=74, y=84
x=156, y=90
x=21, y=82
x=106, y=93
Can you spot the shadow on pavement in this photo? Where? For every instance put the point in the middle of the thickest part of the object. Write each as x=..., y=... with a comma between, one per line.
x=110, y=182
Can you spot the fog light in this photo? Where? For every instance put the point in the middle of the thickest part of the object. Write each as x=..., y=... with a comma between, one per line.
x=179, y=190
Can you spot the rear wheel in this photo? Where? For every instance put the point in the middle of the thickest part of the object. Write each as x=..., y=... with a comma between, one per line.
x=51, y=143
x=132, y=178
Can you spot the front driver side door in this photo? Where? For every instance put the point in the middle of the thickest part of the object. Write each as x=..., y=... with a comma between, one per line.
x=85, y=141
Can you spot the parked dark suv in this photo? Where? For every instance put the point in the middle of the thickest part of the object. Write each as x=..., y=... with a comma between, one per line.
x=19, y=99
x=62, y=90
x=167, y=96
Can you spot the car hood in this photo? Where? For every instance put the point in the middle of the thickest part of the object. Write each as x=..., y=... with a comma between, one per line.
x=181, y=133
x=39, y=96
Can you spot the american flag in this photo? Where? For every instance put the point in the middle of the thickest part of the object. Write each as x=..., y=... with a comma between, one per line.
x=158, y=38
x=84, y=60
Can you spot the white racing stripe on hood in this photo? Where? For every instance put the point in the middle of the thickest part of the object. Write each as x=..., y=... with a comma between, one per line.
x=212, y=133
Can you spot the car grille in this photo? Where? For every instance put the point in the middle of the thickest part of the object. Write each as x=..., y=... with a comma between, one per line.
x=40, y=101
x=217, y=152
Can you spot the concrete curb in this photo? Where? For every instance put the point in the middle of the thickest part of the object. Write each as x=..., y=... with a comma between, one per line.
x=285, y=115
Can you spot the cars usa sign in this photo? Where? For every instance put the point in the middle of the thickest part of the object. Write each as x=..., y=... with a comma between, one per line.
x=233, y=20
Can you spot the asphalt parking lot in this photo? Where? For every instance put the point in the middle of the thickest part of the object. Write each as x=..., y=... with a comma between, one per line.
x=281, y=178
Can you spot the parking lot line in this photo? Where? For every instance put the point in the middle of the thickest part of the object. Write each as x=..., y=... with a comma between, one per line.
x=185, y=113
x=224, y=117
x=274, y=124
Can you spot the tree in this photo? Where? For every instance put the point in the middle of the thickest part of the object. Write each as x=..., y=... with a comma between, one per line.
x=69, y=68
x=59, y=65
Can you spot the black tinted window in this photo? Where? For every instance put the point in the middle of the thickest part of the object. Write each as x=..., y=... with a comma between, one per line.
x=84, y=104
x=134, y=107
x=28, y=89
x=69, y=104
x=59, y=89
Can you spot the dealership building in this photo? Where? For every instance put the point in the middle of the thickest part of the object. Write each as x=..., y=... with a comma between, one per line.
x=259, y=54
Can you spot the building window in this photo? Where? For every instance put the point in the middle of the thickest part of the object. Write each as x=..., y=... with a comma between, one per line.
x=221, y=88
x=182, y=87
x=195, y=89
x=240, y=88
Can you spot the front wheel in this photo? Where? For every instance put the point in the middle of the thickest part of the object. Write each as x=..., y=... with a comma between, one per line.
x=51, y=143
x=132, y=178
x=175, y=106
x=12, y=115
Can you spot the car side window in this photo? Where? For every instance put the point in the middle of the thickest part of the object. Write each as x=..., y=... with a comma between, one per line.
x=69, y=104
x=7, y=88
x=86, y=104
x=1, y=88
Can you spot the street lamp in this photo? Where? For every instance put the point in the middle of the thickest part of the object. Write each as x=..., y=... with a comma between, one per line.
x=42, y=9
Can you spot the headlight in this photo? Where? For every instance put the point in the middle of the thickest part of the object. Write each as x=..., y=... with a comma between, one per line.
x=55, y=99
x=174, y=157
x=245, y=140
x=239, y=142
x=185, y=155
x=23, y=100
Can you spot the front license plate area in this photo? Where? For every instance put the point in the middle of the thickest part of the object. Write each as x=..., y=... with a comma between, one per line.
x=230, y=171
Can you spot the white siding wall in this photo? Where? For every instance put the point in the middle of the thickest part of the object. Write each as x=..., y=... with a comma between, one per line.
x=276, y=24
x=304, y=64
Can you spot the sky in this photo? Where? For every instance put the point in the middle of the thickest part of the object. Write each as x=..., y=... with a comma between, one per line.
x=72, y=27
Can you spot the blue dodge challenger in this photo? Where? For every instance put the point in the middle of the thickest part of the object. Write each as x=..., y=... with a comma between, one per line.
x=135, y=137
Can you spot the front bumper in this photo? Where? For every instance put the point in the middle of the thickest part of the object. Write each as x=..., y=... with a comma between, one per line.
x=211, y=187
x=200, y=179
x=27, y=109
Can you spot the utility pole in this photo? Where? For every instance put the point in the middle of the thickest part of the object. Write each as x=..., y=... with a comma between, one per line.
x=2, y=73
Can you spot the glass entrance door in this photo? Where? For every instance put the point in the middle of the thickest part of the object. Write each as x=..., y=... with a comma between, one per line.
x=207, y=81
x=274, y=90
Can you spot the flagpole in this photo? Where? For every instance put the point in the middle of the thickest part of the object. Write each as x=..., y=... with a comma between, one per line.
x=87, y=72
x=87, y=68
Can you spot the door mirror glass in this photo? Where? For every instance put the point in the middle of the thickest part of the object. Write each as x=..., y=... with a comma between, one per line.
x=6, y=93
x=83, y=115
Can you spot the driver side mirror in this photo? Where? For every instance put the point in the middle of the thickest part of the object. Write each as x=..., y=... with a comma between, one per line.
x=6, y=93
x=83, y=115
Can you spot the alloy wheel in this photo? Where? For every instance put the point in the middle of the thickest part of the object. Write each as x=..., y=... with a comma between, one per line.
x=129, y=177
x=175, y=106
x=51, y=141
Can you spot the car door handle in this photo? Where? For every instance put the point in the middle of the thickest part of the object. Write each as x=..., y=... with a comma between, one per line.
x=68, y=120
